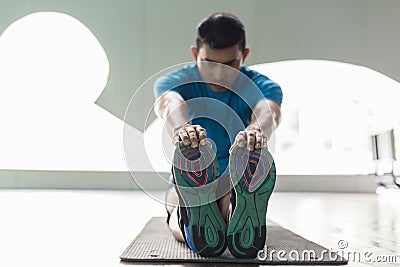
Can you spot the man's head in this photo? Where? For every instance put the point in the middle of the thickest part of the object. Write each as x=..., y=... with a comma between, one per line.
x=221, y=30
x=220, y=39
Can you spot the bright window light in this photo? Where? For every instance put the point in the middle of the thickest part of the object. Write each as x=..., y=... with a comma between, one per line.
x=52, y=69
x=329, y=111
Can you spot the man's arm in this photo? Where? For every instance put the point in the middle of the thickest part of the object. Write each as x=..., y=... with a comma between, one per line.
x=173, y=109
x=264, y=120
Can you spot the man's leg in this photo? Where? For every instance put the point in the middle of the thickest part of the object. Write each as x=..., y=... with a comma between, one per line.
x=224, y=189
x=223, y=205
x=171, y=205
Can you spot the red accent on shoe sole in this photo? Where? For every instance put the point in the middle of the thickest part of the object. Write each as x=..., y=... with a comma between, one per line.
x=202, y=161
x=256, y=173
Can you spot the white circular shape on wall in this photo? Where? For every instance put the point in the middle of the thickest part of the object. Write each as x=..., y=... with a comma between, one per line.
x=52, y=69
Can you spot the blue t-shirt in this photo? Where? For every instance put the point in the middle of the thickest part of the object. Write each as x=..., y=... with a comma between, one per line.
x=223, y=115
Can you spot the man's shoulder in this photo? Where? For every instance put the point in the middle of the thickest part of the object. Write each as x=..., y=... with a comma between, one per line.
x=258, y=78
x=268, y=88
x=252, y=74
x=177, y=80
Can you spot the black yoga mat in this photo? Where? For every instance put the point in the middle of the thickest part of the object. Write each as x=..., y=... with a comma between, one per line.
x=155, y=244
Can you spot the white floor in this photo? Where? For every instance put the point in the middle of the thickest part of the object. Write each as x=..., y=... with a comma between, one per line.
x=92, y=228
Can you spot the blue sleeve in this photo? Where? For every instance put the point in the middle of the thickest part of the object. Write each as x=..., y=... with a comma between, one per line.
x=269, y=89
x=174, y=81
x=166, y=83
x=258, y=87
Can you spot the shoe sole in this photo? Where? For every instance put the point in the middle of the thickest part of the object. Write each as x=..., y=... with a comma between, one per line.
x=253, y=175
x=206, y=232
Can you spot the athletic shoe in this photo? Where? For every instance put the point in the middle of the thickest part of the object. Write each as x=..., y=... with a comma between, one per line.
x=200, y=219
x=253, y=176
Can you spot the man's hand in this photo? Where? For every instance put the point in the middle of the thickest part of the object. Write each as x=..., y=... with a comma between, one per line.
x=252, y=137
x=265, y=118
x=192, y=135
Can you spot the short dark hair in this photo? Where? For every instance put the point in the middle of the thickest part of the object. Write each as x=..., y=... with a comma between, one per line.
x=221, y=30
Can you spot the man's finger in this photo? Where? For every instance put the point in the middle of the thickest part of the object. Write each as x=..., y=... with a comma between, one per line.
x=192, y=136
x=241, y=138
x=258, y=141
x=201, y=133
x=184, y=137
x=251, y=140
x=264, y=142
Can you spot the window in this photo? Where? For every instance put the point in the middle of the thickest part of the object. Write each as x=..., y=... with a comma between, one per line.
x=329, y=111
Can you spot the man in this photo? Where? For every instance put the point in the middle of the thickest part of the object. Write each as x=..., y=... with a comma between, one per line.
x=218, y=106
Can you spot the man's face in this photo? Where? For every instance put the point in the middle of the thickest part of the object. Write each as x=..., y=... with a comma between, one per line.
x=219, y=67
